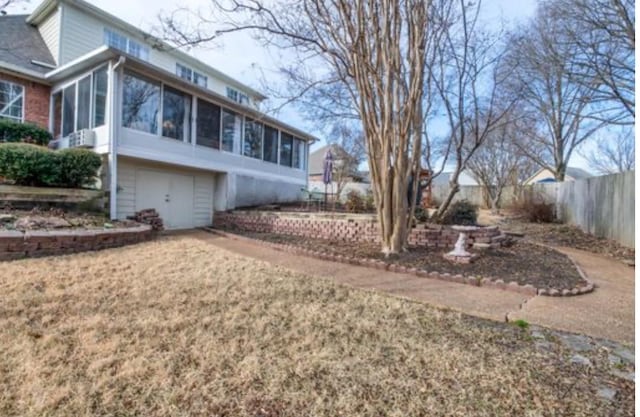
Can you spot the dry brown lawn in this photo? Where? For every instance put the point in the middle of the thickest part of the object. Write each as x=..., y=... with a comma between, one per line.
x=177, y=327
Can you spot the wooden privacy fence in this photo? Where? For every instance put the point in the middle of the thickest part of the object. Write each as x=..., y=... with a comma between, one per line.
x=603, y=206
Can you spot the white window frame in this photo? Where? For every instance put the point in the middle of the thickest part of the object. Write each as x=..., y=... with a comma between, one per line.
x=144, y=51
x=193, y=75
x=22, y=110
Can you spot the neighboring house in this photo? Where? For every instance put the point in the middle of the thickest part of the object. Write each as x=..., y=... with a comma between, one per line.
x=545, y=175
x=357, y=181
x=442, y=180
x=175, y=134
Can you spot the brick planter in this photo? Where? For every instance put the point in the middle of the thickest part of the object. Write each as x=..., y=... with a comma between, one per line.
x=513, y=286
x=36, y=243
x=350, y=228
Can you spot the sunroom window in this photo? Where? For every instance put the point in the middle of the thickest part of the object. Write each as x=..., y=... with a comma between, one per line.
x=253, y=139
x=286, y=149
x=208, y=125
x=176, y=114
x=11, y=101
x=231, y=131
x=140, y=103
x=270, y=153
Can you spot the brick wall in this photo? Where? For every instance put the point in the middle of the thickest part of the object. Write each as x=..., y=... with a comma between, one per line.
x=16, y=245
x=36, y=100
x=348, y=228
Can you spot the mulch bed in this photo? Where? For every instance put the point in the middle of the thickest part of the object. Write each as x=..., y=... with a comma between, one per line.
x=57, y=219
x=568, y=236
x=523, y=262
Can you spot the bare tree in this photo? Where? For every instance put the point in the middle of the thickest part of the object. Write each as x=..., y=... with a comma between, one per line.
x=613, y=154
x=603, y=34
x=374, y=50
x=563, y=106
x=348, y=152
x=6, y=3
x=499, y=161
x=467, y=76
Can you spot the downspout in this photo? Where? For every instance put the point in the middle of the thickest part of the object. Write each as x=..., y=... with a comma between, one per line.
x=113, y=148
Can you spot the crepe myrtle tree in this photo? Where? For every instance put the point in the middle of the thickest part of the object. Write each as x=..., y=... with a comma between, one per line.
x=373, y=50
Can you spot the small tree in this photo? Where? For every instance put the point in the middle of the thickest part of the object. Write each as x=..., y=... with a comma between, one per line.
x=348, y=153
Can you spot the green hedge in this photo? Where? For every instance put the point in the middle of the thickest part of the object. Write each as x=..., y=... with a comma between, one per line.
x=11, y=131
x=37, y=166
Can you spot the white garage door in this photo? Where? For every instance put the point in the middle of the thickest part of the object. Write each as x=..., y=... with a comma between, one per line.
x=170, y=194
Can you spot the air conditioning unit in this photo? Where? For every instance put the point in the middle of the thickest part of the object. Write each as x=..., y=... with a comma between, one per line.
x=84, y=138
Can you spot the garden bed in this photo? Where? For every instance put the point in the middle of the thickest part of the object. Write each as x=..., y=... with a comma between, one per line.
x=57, y=219
x=524, y=263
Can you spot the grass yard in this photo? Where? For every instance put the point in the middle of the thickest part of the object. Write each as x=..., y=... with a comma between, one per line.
x=177, y=327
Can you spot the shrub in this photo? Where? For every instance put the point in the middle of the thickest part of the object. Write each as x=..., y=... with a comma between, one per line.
x=27, y=164
x=33, y=165
x=534, y=209
x=421, y=214
x=369, y=202
x=77, y=167
x=461, y=213
x=355, y=202
x=11, y=131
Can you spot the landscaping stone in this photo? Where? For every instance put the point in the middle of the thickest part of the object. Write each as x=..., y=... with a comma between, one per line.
x=580, y=360
x=577, y=343
x=607, y=393
x=7, y=218
x=41, y=222
x=627, y=376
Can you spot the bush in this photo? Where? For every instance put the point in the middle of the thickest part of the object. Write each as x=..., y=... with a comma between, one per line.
x=355, y=202
x=369, y=202
x=11, y=131
x=32, y=165
x=461, y=213
x=534, y=209
x=27, y=164
x=77, y=167
x=421, y=214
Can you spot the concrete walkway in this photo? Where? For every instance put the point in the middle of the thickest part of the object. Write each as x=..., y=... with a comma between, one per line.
x=606, y=313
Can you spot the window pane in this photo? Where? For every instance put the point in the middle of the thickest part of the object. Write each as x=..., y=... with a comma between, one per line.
x=115, y=40
x=57, y=115
x=200, y=79
x=11, y=99
x=232, y=94
x=140, y=104
x=183, y=72
x=100, y=80
x=253, y=139
x=84, y=103
x=176, y=114
x=286, y=145
x=208, y=125
x=270, y=144
x=68, y=110
x=231, y=131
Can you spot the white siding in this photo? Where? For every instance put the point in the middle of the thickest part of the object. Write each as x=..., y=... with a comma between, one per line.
x=50, y=32
x=83, y=33
x=203, y=189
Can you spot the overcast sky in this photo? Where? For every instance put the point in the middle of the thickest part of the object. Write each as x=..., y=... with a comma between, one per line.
x=239, y=56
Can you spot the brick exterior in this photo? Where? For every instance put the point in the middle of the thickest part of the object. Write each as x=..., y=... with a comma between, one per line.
x=349, y=228
x=17, y=245
x=36, y=100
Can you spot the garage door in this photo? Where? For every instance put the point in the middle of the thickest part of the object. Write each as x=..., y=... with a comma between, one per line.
x=170, y=194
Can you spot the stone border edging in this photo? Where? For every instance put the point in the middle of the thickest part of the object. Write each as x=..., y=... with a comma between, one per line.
x=513, y=286
x=36, y=243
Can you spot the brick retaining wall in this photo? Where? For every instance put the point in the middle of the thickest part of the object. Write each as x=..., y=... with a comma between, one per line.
x=35, y=243
x=349, y=228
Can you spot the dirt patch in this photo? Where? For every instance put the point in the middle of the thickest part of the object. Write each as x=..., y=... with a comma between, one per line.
x=524, y=263
x=52, y=219
x=178, y=327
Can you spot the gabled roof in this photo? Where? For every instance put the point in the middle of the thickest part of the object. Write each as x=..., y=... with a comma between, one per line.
x=44, y=9
x=316, y=160
x=22, y=45
x=577, y=173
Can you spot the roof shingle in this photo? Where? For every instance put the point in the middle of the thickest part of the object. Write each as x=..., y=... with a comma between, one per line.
x=21, y=44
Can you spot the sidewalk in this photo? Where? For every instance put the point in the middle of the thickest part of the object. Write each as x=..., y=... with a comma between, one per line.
x=606, y=313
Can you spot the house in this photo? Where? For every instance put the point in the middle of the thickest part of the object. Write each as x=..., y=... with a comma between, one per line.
x=175, y=134
x=355, y=180
x=442, y=180
x=545, y=175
